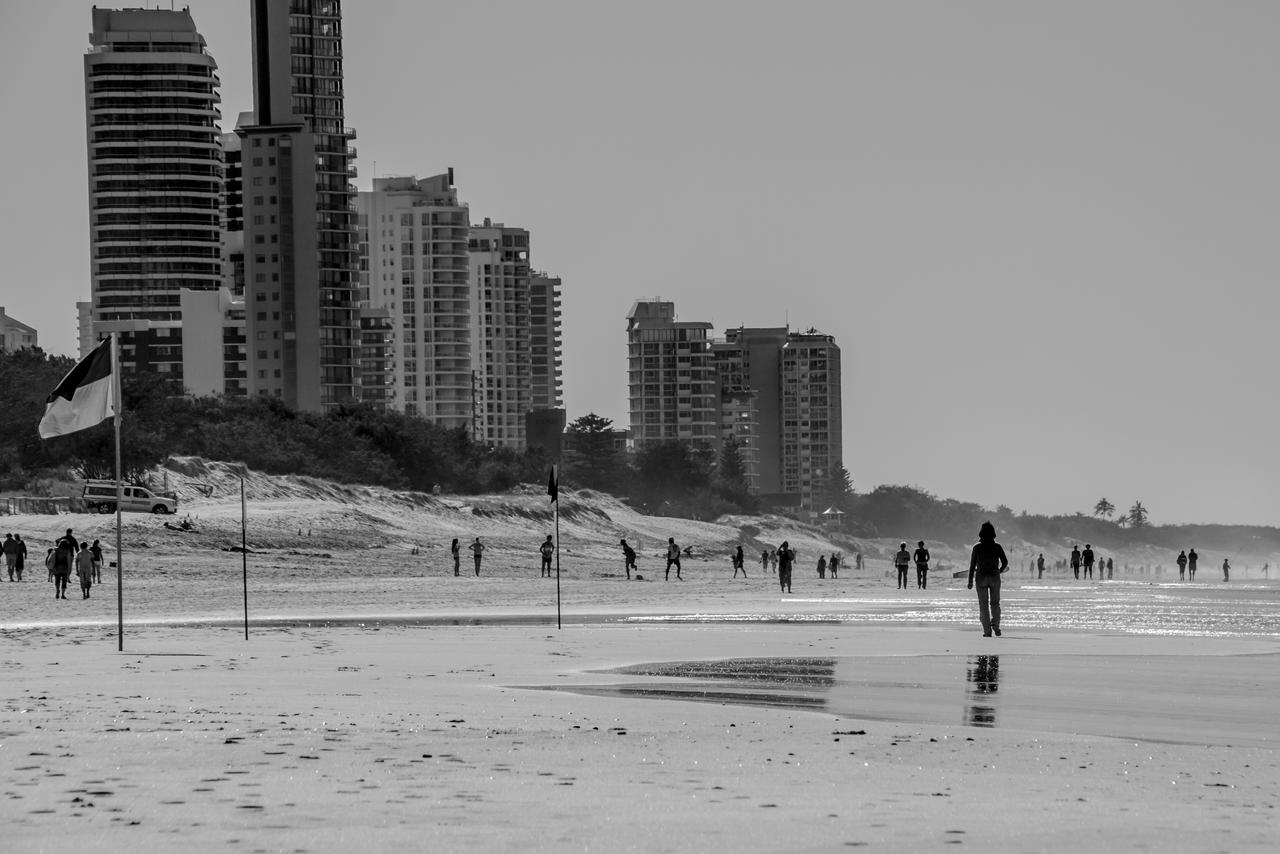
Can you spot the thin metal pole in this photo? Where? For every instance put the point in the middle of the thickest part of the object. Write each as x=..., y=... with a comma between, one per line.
x=244, y=555
x=119, y=406
x=557, y=503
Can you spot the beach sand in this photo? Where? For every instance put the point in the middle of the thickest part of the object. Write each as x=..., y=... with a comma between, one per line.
x=344, y=738
x=382, y=703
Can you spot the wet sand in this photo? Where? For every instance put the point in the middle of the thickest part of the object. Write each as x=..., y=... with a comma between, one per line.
x=434, y=737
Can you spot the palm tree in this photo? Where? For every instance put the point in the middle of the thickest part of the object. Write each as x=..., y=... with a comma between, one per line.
x=1137, y=515
x=1104, y=508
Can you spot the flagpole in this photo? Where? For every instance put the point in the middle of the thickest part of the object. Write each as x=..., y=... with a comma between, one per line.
x=244, y=555
x=119, y=407
x=557, y=503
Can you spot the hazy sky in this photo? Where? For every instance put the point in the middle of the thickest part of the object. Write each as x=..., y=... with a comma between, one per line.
x=1044, y=235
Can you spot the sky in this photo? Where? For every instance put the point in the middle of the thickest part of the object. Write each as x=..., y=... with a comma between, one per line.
x=1044, y=235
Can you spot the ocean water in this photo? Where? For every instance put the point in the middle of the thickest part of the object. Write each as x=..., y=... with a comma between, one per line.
x=1201, y=609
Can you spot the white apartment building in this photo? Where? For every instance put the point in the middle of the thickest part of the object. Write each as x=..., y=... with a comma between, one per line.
x=500, y=302
x=14, y=334
x=155, y=179
x=413, y=241
x=670, y=377
x=811, y=415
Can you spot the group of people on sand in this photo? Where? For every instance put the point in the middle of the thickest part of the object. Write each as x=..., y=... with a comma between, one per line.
x=1187, y=566
x=66, y=556
x=1082, y=563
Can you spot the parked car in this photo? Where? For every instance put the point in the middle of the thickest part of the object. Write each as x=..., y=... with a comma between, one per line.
x=100, y=497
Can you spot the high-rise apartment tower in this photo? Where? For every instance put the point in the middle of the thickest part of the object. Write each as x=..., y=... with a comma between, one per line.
x=299, y=209
x=155, y=180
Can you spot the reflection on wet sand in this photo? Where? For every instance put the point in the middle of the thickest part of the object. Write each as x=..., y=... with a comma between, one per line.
x=983, y=678
x=1123, y=697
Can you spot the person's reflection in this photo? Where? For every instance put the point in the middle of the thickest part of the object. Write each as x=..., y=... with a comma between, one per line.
x=983, y=677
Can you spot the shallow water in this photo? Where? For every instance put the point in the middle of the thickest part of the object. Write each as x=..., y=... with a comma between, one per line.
x=1141, y=698
x=1200, y=609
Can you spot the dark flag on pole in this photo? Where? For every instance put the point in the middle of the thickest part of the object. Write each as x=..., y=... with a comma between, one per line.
x=84, y=398
x=553, y=488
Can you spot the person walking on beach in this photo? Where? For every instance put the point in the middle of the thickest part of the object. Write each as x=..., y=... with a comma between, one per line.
x=764, y=559
x=11, y=555
x=1086, y=559
x=921, y=557
x=773, y=561
x=857, y=561
x=786, y=557
x=833, y=564
x=22, y=554
x=64, y=556
x=1192, y=557
x=673, y=557
x=822, y=566
x=1111, y=567
x=96, y=551
x=477, y=549
x=1226, y=569
x=987, y=561
x=1075, y=561
x=1040, y=566
x=547, y=549
x=628, y=558
x=1182, y=565
x=901, y=561
x=456, y=551
x=739, y=563
x=84, y=570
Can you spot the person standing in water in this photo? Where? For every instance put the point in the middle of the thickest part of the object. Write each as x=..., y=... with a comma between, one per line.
x=547, y=549
x=921, y=557
x=477, y=548
x=1182, y=565
x=986, y=562
x=901, y=561
x=628, y=557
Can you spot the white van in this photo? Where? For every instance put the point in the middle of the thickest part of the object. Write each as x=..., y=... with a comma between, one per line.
x=100, y=497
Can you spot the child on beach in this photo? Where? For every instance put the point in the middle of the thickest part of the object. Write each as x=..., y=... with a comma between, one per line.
x=96, y=551
x=84, y=569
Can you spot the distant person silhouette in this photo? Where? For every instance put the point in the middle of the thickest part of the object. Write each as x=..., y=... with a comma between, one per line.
x=833, y=564
x=1111, y=568
x=477, y=549
x=822, y=566
x=1075, y=561
x=786, y=558
x=547, y=550
x=84, y=570
x=628, y=557
x=1086, y=560
x=1226, y=570
x=901, y=561
x=96, y=551
x=1192, y=557
x=1040, y=566
x=986, y=562
x=456, y=551
x=1182, y=565
x=673, y=557
x=764, y=560
x=857, y=560
x=921, y=557
x=739, y=563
